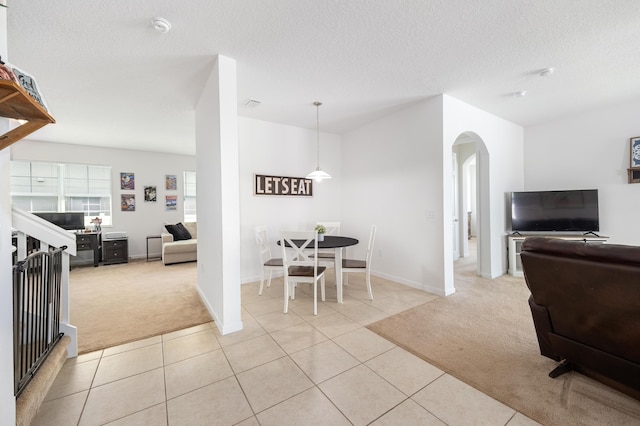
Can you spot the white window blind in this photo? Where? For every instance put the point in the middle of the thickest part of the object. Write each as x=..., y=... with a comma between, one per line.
x=55, y=187
x=190, y=197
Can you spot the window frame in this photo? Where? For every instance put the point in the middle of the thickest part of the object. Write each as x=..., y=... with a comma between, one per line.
x=65, y=193
x=189, y=197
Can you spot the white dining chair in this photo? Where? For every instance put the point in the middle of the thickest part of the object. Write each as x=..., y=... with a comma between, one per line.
x=327, y=257
x=298, y=265
x=361, y=266
x=331, y=228
x=267, y=263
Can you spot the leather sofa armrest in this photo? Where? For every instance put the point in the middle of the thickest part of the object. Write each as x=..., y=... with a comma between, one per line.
x=542, y=323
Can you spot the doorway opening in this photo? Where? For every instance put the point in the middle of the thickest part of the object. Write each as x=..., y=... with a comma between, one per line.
x=470, y=218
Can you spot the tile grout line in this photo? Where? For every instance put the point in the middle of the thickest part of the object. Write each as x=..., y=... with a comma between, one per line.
x=86, y=400
x=164, y=376
x=317, y=385
x=304, y=320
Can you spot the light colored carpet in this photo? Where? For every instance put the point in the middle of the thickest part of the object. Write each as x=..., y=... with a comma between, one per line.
x=484, y=335
x=115, y=304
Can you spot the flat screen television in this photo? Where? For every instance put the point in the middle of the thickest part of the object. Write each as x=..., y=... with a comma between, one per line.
x=555, y=211
x=67, y=220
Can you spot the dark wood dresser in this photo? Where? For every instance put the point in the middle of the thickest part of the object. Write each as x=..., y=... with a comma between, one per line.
x=115, y=251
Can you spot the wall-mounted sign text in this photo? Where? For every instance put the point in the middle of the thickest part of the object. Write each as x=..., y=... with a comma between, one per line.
x=283, y=185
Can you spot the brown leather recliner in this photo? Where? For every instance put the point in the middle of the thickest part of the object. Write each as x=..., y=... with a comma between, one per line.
x=585, y=302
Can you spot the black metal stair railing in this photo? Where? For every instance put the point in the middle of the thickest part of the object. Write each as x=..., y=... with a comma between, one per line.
x=36, y=313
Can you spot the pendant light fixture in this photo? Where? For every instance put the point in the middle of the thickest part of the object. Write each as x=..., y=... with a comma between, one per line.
x=318, y=175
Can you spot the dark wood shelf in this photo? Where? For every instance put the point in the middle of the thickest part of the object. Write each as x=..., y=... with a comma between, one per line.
x=16, y=103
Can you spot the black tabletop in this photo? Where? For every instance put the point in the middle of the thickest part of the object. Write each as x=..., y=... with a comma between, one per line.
x=333, y=241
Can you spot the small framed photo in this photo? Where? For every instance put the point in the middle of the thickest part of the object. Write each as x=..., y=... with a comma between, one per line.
x=635, y=152
x=171, y=182
x=150, y=194
x=171, y=202
x=127, y=181
x=128, y=202
x=634, y=175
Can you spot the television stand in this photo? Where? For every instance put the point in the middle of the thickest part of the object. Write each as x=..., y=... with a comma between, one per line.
x=515, y=245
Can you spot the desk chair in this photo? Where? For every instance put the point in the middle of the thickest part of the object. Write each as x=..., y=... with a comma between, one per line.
x=299, y=266
x=362, y=266
x=267, y=263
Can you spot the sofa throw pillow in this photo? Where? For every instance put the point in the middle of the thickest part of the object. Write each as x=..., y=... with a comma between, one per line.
x=173, y=230
x=186, y=235
x=177, y=233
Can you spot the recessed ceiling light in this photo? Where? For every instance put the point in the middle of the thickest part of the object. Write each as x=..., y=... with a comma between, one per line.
x=520, y=94
x=161, y=25
x=546, y=72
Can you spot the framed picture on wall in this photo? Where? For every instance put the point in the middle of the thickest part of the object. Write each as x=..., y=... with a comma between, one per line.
x=128, y=202
x=171, y=202
x=634, y=175
x=150, y=194
x=171, y=182
x=127, y=181
x=635, y=151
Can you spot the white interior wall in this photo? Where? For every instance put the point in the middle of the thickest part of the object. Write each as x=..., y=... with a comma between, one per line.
x=392, y=178
x=219, y=275
x=399, y=177
x=504, y=143
x=150, y=169
x=279, y=150
x=7, y=400
x=590, y=150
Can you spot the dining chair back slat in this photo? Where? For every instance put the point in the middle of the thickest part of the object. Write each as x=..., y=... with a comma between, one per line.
x=362, y=266
x=267, y=263
x=331, y=228
x=300, y=264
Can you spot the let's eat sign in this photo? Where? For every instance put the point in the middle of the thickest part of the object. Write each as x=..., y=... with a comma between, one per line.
x=283, y=185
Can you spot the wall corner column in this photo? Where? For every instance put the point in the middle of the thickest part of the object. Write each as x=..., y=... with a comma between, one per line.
x=7, y=399
x=218, y=208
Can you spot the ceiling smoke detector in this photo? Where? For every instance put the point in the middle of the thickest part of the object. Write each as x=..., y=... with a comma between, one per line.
x=161, y=25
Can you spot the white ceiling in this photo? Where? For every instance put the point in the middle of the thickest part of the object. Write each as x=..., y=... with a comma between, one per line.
x=111, y=80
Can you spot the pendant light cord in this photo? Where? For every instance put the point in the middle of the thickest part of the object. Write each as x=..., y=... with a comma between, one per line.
x=318, y=175
x=317, y=104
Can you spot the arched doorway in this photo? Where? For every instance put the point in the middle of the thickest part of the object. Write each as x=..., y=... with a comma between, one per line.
x=471, y=200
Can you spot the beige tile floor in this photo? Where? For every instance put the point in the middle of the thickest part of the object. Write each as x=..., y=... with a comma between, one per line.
x=293, y=369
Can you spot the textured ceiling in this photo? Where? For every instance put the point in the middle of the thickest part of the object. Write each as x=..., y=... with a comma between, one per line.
x=111, y=80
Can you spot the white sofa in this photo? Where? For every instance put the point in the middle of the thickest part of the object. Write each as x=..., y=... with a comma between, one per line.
x=182, y=250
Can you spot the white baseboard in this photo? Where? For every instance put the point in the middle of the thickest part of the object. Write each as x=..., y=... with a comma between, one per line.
x=72, y=332
x=413, y=284
x=223, y=328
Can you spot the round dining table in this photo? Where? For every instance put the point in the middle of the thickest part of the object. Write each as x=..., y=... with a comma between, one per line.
x=337, y=243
